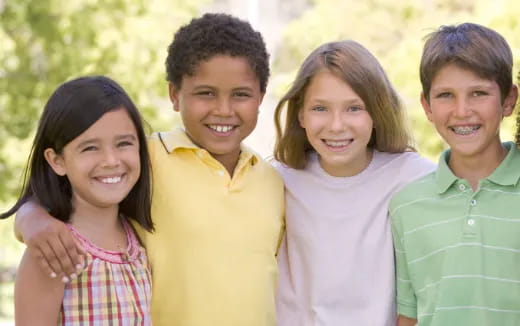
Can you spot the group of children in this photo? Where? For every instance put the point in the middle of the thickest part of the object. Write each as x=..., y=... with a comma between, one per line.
x=307, y=240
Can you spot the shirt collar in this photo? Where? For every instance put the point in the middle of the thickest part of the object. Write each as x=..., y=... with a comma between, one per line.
x=178, y=139
x=506, y=174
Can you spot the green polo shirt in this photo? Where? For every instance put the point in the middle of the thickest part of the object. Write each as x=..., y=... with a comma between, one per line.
x=458, y=250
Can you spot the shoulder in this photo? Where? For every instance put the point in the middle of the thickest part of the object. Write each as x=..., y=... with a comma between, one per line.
x=403, y=167
x=414, y=192
x=266, y=168
x=154, y=138
x=407, y=159
x=280, y=167
x=292, y=176
x=155, y=146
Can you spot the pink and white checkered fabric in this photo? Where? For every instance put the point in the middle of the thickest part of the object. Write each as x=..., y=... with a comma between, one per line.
x=114, y=289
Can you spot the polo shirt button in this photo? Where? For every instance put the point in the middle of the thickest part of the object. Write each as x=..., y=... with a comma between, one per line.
x=473, y=202
x=200, y=153
x=471, y=222
x=462, y=187
x=220, y=172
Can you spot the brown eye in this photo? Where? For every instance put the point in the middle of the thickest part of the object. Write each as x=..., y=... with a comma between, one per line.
x=89, y=149
x=124, y=143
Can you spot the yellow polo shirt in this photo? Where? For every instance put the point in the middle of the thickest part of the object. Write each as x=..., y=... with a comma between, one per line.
x=213, y=253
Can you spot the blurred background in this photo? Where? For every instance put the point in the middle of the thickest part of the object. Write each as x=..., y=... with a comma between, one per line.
x=45, y=42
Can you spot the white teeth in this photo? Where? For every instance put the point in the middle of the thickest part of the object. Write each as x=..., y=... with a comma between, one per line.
x=111, y=180
x=336, y=143
x=465, y=130
x=220, y=128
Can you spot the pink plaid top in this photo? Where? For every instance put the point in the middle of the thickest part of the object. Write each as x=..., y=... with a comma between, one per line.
x=114, y=289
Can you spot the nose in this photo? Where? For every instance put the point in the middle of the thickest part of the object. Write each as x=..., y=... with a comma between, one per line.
x=111, y=158
x=462, y=108
x=224, y=107
x=337, y=121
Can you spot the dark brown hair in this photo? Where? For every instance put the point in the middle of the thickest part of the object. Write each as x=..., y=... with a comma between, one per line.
x=73, y=108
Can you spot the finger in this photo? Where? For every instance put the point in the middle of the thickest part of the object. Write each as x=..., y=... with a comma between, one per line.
x=74, y=249
x=42, y=255
x=64, y=260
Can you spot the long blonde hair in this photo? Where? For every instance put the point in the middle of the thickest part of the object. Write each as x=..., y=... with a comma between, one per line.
x=354, y=64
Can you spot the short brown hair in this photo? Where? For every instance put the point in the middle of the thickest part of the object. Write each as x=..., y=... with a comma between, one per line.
x=354, y=64
x=470, y=46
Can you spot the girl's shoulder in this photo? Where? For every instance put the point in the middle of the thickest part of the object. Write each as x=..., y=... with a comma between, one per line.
x=407, y=158
x=405, y=166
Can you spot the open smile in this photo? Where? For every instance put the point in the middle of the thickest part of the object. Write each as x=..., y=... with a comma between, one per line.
x=465, y=130
x=222, y=129
x=110, y=179
x=337, y=144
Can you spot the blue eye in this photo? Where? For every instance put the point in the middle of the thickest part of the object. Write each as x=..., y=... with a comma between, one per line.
x=354, y=108
x=319, y=108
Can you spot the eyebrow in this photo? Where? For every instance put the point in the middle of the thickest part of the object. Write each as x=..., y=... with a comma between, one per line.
x=240, y=88
x=326, y=101
x=484, y=85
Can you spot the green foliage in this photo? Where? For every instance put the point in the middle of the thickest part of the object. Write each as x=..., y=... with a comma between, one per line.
x=394, y=32
x=47, y=42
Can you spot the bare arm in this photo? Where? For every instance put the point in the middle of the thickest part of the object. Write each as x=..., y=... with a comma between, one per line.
x=405, y=321
x=37, y=299
x=49, y=241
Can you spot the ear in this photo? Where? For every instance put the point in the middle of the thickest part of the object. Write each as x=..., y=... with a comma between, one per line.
x=174, y=96
x=426, y=107
x=55, y=161
x=510, y=101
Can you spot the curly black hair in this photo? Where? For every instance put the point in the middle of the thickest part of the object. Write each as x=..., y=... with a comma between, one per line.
x=214, y=34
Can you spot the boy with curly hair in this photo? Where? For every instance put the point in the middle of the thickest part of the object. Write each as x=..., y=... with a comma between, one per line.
x=217, y=205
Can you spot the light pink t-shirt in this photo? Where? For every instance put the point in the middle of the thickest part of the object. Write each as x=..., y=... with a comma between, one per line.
x=336, y=262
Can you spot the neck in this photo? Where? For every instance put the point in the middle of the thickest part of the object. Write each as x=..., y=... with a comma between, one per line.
x=100, y=225
x=476, y=168
x=228, y=161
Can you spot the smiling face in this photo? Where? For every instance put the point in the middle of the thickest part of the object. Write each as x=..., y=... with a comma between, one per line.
x=337, y=125
x=219, y=105
x=467, y=111
x=102, y=164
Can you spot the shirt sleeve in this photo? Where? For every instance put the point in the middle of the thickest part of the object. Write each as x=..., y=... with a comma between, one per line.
x=406, y=300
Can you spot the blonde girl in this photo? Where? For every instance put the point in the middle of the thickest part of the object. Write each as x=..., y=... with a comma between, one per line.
x=343, y=151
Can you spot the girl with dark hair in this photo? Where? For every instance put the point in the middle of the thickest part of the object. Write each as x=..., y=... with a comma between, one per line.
x=89, y=167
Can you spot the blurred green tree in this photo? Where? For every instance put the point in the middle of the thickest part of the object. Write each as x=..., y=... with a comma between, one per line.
x=393, y=31
x=46, y=42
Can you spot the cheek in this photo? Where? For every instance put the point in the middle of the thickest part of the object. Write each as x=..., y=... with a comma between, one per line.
x=133, y=158
x=366, y=124
x=252, y=115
